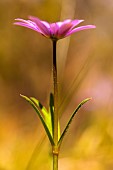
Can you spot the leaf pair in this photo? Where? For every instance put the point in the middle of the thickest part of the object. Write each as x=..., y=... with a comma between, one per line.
x=47, y=117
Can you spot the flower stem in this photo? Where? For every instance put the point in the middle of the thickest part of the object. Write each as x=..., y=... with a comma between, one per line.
x=55, y=161
x=55, y=123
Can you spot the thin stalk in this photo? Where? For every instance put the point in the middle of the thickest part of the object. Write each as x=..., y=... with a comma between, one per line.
x=55, y=161
x=55, y=123
x=55, y=128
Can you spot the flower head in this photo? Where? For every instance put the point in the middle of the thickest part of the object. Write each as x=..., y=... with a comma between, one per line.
x=54, y=31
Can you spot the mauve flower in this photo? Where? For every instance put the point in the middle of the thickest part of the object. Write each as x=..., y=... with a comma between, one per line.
x=55, y=30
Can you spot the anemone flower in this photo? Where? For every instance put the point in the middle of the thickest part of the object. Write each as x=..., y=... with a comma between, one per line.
x=54, y=31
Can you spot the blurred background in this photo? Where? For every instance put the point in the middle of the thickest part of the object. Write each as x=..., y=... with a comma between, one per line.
x=85, y=69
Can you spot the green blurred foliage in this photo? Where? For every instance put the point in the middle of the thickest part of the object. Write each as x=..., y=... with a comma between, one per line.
x=85, y=70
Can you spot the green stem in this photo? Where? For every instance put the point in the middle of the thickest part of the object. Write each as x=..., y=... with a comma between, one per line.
x=55, y=161
x=55, y=123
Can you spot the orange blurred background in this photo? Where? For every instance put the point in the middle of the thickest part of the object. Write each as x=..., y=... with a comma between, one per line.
x=85, y=69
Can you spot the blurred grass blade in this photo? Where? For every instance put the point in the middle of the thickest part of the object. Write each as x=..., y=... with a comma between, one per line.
x=70, y=120
x=41, y=118
x=36, y=152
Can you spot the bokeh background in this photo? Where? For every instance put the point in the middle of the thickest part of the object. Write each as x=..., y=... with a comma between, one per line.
x=85, y=69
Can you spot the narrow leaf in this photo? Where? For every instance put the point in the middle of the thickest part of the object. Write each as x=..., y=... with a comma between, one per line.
x=46, y=114
x=51, y=107
x=37, y=102
x=41, y=118
x=70, y=120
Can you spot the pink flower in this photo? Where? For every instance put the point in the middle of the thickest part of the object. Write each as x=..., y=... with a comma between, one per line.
x=54, y=31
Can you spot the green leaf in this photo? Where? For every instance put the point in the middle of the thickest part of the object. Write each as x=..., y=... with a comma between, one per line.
x=51, y=105
x=40, y=116
x=46, y=114
x=37, y=102
x=58, y=130
x=70, y=120
x=51, y=110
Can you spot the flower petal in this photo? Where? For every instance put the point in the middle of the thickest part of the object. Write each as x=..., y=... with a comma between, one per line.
x=76, y=22
x=68, y=25
x=46, y=24
x=80, y=29
x=64, y=27
x=54, y=29
x=26, y=23
x=42, y=25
